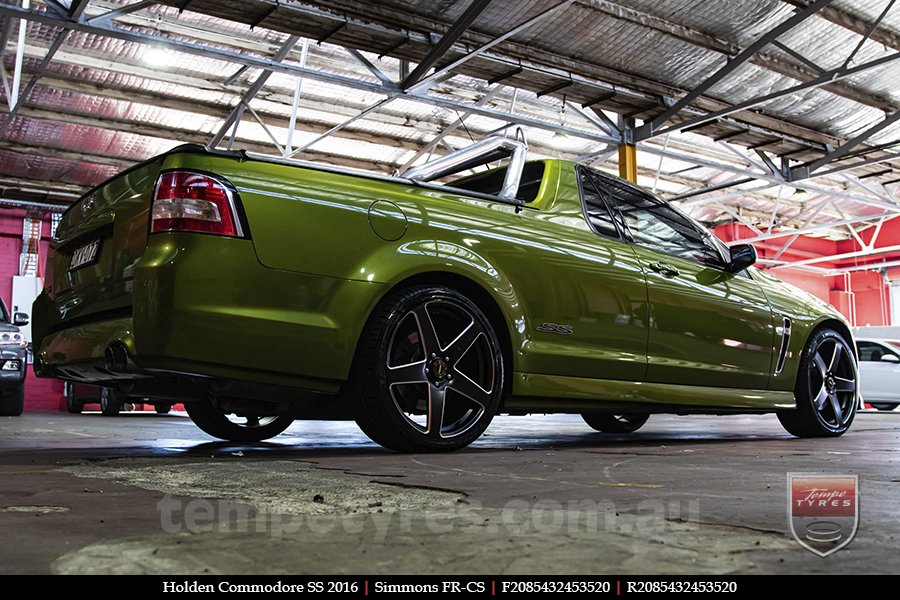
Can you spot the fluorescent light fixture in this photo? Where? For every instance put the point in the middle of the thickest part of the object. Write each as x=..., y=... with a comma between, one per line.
x=157, y=57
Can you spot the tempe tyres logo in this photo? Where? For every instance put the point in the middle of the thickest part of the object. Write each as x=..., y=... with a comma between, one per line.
x=823, y=511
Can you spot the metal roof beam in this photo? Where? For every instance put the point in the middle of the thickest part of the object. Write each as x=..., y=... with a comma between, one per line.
x=804, y=69
x=369, y=109
x=849, y=167
x=738, y=169
x=710, y=189
x=55, y=152
x=645, y=132
x=26, y=204
x=254, y=88
x=425, y=82
x=378, y=73
x=599, y=119
x=854, y=23
x=819, y=227
x=843, y=256
x=289, y=68
x=884, y=264
x=730, y=66
x=77, y=8
x=868, y=188
x=869, y=31
x=796, y=55
x=57, y=7
x=805, y=170
x=590, y=76
x=21, y=98
x=432, y=144
x=190, y=48
x=121, y=12
x=475, y=8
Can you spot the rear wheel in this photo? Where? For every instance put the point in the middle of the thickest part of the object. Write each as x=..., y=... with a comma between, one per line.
x=234, y=427
x=111, y=401
x=163, y=409
x=12, y=401
x=429, y=371
x=826, y=388
x=615, y=423
x=882, y=406
x=73, y=404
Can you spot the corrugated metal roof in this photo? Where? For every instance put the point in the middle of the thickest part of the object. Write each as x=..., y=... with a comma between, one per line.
x=103, y=102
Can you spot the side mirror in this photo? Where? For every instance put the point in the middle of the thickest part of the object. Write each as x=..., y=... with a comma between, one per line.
x=742, y=257
x=889, y=358
x=20, y=319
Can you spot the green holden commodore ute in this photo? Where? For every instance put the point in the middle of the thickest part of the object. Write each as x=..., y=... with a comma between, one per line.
x=258, y=291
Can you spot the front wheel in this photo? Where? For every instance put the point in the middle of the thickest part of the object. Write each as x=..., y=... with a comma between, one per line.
x=429, y=371
x=826, y=388
x=883, y=406
x=233, y=427
x=163, y=409
x=615, y=423
x=12, y=402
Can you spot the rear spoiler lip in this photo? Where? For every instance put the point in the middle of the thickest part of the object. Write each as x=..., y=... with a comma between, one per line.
x=181, y=149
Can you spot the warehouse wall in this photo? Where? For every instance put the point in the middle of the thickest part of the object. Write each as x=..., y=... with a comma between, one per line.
x=40, y=394
x=862, y=296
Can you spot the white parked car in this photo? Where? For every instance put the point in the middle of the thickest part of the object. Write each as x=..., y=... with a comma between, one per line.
x=879, y=372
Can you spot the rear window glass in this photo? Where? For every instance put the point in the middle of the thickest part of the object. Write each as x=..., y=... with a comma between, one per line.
x=491, y=182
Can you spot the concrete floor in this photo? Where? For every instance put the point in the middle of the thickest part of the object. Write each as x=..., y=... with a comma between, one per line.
x=543, y=494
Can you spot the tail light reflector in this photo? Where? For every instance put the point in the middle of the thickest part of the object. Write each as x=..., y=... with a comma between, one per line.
x=187, y=201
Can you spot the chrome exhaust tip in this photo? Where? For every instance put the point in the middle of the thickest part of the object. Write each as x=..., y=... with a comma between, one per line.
x=116, y=357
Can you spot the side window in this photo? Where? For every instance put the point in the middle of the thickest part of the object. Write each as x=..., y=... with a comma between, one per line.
x=869, y=352
x=655, y=225
x=596, y=210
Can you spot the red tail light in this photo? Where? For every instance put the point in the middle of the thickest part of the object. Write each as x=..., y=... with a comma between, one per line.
x=186, y=201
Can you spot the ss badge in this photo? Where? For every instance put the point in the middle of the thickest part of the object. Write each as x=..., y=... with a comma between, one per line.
x=555, y=328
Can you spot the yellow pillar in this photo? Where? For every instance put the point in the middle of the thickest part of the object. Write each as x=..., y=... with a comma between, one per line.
x=628, y=162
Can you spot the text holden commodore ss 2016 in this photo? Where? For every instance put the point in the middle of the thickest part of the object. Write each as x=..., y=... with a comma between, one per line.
x=260, y=291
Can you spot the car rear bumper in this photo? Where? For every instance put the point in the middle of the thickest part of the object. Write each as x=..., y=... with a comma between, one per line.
x=204, y=305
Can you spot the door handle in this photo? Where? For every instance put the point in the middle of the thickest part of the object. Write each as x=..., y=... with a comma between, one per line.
x=664, y=269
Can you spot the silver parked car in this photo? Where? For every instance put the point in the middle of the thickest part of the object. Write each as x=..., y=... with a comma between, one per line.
x=879, y=372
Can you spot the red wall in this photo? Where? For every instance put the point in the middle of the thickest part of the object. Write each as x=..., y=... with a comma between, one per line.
x=40, y=394
x=863, y=296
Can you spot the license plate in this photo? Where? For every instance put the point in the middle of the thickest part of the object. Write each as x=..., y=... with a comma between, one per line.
x=85, y=255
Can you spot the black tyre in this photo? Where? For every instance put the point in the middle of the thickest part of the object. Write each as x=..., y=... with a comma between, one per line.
x=12, y=402
x=826, y=389
x=429, y=372
x=163, y=409
x=615, y=423
x=73, y=404
x=883, y=406
x=232, y=427
x=111, y=401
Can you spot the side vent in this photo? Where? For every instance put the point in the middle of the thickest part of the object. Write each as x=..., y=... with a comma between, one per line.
x=785, y=331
